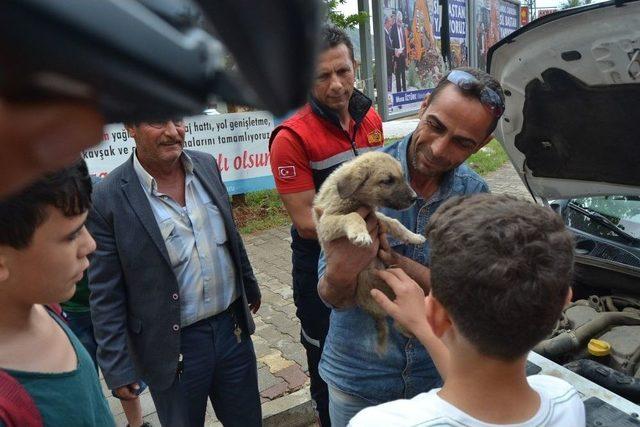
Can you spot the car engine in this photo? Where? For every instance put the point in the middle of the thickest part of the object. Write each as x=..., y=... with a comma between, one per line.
x=599, y=338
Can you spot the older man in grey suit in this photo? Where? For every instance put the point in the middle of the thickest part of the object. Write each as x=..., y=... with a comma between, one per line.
x=172, y=289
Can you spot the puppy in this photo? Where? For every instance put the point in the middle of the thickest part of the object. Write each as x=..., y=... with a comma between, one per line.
x=370, y=180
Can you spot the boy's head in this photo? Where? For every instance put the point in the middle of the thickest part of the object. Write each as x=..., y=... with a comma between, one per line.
x=43, y=241
x=501, y=269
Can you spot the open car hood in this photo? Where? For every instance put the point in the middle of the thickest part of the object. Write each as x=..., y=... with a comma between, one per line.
x=572, y=83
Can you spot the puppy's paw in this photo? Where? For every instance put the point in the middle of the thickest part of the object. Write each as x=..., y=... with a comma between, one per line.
x=416, y=239
x=360, y=239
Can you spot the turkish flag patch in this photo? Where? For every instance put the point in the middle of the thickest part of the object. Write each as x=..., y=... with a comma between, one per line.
x=286, y=172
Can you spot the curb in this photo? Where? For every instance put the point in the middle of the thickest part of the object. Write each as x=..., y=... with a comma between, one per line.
x=291, y=410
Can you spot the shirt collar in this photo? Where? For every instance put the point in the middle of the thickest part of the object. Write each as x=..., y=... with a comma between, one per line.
x=149, y=182
x=359, y=105
x=446, y=185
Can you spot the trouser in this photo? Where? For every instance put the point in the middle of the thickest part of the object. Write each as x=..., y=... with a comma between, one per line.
x=389, y=79
x=401, y=84
x=319, y=391
x=217, y=367
x=344, y=406
x=314, y=322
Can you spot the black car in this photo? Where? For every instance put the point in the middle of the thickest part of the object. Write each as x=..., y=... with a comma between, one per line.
x=571, y=128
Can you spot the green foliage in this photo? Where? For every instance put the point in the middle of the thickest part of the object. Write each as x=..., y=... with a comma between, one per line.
x=261, y=210
x=488, y=159
x=573, y=3
x=341, y=20
x=412, y=75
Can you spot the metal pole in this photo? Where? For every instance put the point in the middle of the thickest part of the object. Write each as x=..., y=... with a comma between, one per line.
x=381, y=63
x=366, y=50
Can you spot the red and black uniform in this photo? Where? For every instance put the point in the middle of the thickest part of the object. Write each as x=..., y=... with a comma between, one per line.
x=305, y=149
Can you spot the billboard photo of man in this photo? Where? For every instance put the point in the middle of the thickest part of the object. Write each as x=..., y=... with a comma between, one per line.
x=417, y=64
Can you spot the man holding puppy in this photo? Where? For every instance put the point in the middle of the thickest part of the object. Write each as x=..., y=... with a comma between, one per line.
x=458, y=119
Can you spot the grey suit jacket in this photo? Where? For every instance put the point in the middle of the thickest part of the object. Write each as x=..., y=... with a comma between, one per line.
x=134, y=293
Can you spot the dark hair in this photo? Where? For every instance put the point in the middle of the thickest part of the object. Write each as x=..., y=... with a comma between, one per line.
x=332, y=36
x=484, y=79
x=502, y=268
x=68, y=190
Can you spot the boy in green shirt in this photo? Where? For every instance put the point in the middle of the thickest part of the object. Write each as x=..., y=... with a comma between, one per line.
x=78, y=316
x=43, y=253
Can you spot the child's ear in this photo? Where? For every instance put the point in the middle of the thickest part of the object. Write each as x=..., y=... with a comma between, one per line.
x=437, y=316
x=569, y=297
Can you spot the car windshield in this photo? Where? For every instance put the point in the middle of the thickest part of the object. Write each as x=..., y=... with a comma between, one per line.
x=622, y=211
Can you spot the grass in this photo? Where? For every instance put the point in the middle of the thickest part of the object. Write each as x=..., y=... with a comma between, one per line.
x=489, y=158
x=263, y=210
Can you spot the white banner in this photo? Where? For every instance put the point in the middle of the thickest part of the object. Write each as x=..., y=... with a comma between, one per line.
x=239, y=142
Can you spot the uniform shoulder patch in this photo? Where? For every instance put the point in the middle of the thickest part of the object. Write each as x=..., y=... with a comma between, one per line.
x=375, y=137
x=286, y=172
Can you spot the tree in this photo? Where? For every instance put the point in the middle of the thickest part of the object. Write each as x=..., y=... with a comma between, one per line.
x=341, y=20
x=573, y=3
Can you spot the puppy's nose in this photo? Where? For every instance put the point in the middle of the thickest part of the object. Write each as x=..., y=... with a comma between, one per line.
x=413, y=196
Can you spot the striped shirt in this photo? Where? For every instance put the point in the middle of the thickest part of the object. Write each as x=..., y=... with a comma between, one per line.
x=195, y=238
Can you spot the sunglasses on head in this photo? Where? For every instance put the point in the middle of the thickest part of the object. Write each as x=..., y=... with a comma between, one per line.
x=488, y=97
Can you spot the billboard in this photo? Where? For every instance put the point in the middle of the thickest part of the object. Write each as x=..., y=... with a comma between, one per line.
x=457, y=30
x=239, y=142
x=494, y=20
x=524, y=15
x=412, y=61
x=407, y=40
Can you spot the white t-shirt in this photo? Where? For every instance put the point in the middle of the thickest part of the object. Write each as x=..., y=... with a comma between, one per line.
x=560, y=405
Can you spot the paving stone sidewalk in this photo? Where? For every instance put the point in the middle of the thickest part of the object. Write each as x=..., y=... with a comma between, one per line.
x=282, y=365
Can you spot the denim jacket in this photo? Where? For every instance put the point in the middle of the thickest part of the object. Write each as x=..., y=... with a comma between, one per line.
x=349, y=359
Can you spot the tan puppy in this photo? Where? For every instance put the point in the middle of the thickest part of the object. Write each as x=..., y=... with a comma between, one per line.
x=371, y=180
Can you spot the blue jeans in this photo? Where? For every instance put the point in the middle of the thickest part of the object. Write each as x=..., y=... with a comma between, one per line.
x=344, y=406
x=217, y=367
x=350, y=362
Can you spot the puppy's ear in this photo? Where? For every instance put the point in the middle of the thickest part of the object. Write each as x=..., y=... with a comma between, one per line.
x=350, y=183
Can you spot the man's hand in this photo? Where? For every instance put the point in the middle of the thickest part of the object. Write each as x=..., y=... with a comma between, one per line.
x=413, y=269
x=408, y=308
x=127, y=392
x=410, y=311
x=255, y=306
x=345, y=261
x=386, y=254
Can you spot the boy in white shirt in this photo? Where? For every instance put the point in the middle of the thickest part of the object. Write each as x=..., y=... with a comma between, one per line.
x=500, y=275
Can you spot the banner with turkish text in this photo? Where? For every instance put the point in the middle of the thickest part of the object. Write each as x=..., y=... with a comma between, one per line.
x=239, y=143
